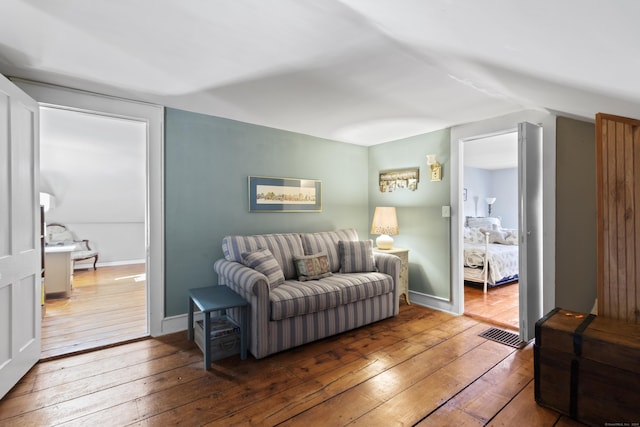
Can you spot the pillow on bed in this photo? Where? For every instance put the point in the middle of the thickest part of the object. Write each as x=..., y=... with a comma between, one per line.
x=488, y=222
x=503, y=237
x=473, y=235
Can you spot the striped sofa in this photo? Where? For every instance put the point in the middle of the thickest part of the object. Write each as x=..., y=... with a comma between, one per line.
x=297, y=312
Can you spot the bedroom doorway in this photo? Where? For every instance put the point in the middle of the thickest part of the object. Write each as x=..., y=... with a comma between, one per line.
x=490, y=182
x=528, y=233
x=93, y=169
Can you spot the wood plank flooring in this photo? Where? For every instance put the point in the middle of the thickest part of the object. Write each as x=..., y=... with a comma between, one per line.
x=422, y=367
x=498, y=306
x=107, y=306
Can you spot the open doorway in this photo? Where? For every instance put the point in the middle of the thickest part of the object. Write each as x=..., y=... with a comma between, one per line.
x=93, y=173
x=490, y=238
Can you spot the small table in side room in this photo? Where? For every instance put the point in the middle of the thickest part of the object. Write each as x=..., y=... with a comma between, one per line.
x=403, y=254
x=216, y=298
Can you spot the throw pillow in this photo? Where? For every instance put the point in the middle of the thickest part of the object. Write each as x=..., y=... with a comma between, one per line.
x=262, y=260
x=312, y=267
x=356, y=256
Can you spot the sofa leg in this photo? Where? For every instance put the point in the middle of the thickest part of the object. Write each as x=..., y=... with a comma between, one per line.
x=95, y=261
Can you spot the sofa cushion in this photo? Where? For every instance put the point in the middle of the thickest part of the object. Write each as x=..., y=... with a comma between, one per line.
x=282, y=246
x=327, y=241
x=356, y=257
x=359, y=286
x=294, y=298
x=312, y=267
x=262, y=260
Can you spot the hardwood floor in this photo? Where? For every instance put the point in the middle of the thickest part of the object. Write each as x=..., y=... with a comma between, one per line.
x=498, y=306
x=107, y=306
x=422, y=367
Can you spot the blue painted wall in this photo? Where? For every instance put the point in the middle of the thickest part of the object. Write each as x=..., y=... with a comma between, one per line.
x=207, y=162
x=501, y=184
x=423, y=230
x=504, y=184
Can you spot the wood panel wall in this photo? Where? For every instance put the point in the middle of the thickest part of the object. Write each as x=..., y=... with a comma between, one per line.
x=618, y=198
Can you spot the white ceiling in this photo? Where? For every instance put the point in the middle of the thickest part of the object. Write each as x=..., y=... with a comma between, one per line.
x=359, y=71
x=492, y=152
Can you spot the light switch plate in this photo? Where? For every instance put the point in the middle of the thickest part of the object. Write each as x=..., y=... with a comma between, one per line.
x=446, y=211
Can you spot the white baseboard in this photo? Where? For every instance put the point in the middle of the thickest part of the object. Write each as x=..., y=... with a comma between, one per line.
x=83, y=266
x=431, y=301
x=177, y=323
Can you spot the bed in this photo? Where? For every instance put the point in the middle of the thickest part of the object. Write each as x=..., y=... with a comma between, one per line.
x=490, y=253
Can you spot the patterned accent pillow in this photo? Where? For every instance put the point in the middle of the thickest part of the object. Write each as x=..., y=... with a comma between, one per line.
x=312, y=267
x=356, y=257
x=262, y=260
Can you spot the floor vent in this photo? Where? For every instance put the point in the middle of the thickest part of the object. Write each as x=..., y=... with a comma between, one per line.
x=503, y=337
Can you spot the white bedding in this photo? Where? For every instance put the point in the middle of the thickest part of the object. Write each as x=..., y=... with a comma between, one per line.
x=502, y=260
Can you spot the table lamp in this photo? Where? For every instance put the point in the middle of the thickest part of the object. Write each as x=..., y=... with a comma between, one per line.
x=385, y=223
x=490, y=202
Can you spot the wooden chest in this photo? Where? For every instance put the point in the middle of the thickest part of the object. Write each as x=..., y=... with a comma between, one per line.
x=588, y=367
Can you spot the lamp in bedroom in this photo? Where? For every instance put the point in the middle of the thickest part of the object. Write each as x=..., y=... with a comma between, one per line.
x=385, y=223
x=490, y=202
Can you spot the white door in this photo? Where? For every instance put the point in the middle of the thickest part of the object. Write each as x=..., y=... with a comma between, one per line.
x=20, y=275
x=530, y=213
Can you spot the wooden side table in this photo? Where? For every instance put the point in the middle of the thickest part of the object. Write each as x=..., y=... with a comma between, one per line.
x=404, y=270
x=216, y=298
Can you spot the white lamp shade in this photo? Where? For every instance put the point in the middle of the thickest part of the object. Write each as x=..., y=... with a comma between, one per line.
x=490, y=200
x=48, y=201
x=385, y=223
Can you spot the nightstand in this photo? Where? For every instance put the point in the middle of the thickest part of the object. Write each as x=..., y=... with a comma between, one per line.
x=403, y=288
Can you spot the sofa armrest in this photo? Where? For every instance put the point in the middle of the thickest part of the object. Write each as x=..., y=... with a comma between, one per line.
x=391, y=265
x=253, y=287
x=242, y=279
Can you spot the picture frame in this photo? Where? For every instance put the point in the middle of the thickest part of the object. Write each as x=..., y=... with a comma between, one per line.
x=392, y=180
x=273, y=194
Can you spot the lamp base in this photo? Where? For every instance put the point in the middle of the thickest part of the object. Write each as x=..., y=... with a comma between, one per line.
x=384, y=241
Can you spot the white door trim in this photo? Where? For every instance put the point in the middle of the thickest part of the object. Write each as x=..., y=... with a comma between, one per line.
x=489, y=127
x=153, y=115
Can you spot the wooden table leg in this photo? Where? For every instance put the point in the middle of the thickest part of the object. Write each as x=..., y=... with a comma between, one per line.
x=243, y=333
x=207, y=340
x=190, y=320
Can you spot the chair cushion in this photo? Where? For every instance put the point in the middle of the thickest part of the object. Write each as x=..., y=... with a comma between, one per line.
x=76, y=255
x=263, y=261
x=356, y=257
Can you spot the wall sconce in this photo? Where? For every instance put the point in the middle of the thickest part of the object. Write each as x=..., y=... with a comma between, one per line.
x=490, y=201
x=436, y=168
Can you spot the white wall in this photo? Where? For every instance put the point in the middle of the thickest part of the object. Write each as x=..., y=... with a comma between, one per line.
x=478, y=186
x=504, y=187
x=501, y=184
x=94, y=166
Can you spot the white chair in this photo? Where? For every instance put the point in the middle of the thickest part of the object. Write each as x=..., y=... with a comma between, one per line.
x=59, y=234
